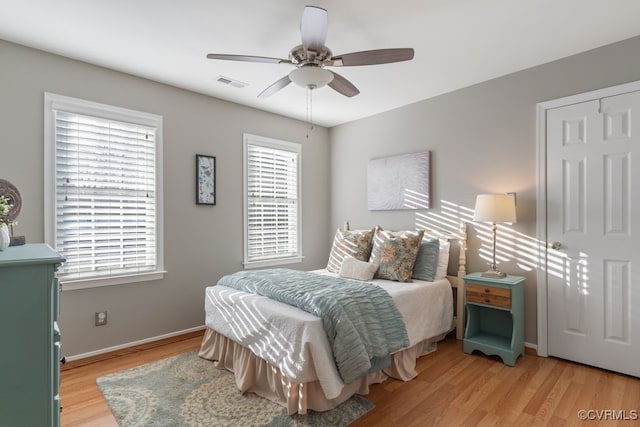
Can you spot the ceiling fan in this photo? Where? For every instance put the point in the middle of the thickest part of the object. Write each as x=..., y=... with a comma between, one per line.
x=312, y=56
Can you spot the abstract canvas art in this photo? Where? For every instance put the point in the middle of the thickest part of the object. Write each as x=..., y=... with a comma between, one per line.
x=205, y=180
x=399, y=182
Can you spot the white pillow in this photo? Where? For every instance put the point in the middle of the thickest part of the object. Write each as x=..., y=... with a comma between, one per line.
x=443, y=260
x=352, y=268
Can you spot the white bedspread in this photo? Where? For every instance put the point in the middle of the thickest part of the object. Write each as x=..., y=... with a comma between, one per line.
x=295, y=341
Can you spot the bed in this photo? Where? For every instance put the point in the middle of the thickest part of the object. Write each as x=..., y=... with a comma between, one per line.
x=282, y=353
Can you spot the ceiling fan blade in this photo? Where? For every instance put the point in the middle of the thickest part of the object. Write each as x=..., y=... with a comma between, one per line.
x=313, y=28
x=372, y=57
x=280, y=84
x=342, y=85
x=247, y=58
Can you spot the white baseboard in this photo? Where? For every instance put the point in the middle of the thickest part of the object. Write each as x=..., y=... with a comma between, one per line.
x=169, y=335
x=131, y=344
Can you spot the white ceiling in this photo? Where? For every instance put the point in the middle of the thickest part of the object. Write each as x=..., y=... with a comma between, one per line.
x=457, y=43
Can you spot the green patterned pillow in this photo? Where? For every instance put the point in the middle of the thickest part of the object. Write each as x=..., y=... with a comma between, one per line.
x=395, y=252
x=355, y=243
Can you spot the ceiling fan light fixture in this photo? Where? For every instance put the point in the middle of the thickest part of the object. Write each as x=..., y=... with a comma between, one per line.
x=313, y=55
x=311, y=77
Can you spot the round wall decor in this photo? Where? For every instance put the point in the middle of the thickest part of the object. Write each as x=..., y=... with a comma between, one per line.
x=9, y=191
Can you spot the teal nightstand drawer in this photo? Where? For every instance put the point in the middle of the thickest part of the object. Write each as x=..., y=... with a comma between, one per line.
x=56, y=368
x=488, y=295
x=57, y=408
x=56, y=298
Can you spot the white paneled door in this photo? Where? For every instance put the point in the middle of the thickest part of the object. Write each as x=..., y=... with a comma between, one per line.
x=593, y=222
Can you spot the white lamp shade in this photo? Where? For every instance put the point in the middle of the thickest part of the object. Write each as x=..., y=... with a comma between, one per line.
x=311, y=77
x=495, y=208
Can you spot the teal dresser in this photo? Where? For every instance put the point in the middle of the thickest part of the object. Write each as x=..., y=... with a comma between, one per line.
x=495, y=316
x=30, y=353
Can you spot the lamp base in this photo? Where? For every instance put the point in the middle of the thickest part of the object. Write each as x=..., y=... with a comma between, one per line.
x=494, y=274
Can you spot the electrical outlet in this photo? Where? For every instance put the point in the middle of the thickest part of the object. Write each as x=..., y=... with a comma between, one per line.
x=101, y=318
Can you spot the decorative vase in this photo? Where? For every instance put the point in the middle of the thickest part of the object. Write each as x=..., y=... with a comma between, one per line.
x=4, y=237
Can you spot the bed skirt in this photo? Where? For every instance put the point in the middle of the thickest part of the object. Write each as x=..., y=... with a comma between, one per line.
x=257, y=375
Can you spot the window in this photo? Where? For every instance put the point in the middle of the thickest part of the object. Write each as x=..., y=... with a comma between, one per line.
x=272, y=202
x=103, y=192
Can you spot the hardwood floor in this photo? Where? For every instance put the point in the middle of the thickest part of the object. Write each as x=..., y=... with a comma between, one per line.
x=82, y=401
x=452, y=388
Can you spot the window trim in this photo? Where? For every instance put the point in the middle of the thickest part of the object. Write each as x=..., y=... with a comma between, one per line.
x=249, y=139
x=79, y=106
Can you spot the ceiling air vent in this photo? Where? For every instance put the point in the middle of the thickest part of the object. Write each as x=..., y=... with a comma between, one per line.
x=231, y=82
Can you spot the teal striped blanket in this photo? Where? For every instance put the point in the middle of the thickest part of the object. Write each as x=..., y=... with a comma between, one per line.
x=361, y=320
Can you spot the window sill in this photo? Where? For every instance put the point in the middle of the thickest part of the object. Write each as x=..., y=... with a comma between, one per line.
x=72, y=285
x=272, y=262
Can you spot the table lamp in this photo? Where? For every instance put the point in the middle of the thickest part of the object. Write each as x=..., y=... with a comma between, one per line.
x=495, y=208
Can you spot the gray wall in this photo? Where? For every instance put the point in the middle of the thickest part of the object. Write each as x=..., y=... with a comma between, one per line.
x=482, y=140
x=202, y=243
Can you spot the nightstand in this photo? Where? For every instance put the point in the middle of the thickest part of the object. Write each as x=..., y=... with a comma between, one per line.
x=495, y=316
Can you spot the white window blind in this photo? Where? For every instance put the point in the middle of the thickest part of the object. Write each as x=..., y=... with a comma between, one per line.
x=272, y=214
x=106, y=196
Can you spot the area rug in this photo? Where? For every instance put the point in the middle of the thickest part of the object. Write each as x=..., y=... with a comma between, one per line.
x=186, y=390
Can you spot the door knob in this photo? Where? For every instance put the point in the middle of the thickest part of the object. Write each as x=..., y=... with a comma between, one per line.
x=556, y=246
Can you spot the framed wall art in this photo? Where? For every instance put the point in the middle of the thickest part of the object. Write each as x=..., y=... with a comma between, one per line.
x=205, y=180
x=399, y=182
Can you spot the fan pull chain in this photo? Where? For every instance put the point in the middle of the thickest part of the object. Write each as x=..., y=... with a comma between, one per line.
x=309, y=110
